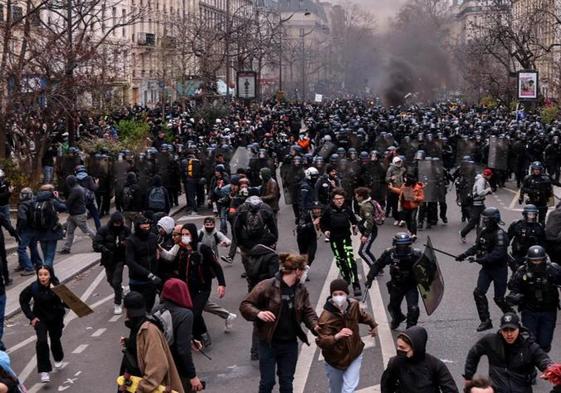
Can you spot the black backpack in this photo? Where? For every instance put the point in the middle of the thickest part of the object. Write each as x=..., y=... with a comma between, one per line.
x=128, y=197
x=43, y=215
x=254, y=224
x=157, y=199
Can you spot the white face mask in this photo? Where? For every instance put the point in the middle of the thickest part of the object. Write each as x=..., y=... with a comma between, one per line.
x=185, y=239
x=339, y=300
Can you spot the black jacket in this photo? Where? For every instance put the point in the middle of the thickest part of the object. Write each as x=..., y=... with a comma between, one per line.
x=338, y=221
x=182, y=319
x=261, y=263
x=269, y=236
x=24, y=210
x=76, y=201
x=47, y=306
x=510, y=371
x=55, y=233
x=4, y=193
x=140, y=255
x=533, y=291
x=110, y=241
x=490, y=248
x=423, y=373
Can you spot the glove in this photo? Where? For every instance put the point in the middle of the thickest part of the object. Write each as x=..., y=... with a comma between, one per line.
x=461, y=257
x=157, y=281
x=368, y=284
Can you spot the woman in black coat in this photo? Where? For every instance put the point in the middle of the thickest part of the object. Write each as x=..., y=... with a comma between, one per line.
x=46, y=317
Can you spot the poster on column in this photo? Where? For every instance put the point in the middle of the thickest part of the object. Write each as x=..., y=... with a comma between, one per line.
x=246, y=85
x=528, y=85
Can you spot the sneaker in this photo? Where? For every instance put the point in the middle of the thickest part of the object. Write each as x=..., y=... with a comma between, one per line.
x=64, y=252
x=402, y=223
x=229, y=322
x=227, y=259
x=58, y=365
x=25, y=273
x=117, y=309
x=395, y=223
x=462, y=238
x=444, y=220
x=394, y=324
x=45, y=377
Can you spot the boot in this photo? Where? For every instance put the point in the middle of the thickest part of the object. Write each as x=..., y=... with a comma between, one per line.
x=503, y=305
x=356, y=290
x=485, y=325
x=396, y=320
x=482, y=309
x=412, y=316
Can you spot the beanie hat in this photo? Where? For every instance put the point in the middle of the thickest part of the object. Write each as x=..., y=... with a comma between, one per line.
x=339, y=285
x=487, y=172
x=167, y=223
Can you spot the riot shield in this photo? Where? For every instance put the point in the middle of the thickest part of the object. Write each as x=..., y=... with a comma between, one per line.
x=240, y=159
x=326, y=150
x=381, y=143
x=285, y=170
x=427, y=176
x=498, y=153
x=429, y=279
x=440, y=179
x=92, y=165
x=464, y=148
x=434, y=148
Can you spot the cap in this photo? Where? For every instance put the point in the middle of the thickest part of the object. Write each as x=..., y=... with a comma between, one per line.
x=487, y=172
x=134, y=304
x=339, y=285
x=510, y=320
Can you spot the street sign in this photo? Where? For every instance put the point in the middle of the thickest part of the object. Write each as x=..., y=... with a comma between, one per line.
x=247, y=81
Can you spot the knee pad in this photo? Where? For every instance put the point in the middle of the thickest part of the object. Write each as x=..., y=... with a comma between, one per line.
x=413, y=310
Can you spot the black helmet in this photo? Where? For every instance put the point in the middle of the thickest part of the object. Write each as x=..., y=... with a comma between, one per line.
x=491, y=215
x=402, y=243
x=536, y=253
x=536, y=165
x=530, y=212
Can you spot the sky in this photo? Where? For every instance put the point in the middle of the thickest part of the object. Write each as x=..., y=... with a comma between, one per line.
x=382, y=9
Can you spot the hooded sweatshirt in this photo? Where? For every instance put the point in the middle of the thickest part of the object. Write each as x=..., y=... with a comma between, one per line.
x=110, y=240
x=176, y=298
x=421, y=373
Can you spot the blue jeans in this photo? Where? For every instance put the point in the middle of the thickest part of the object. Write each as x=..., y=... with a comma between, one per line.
x=223, y=212
x=94, y=213
x=49, y=251
x=48, y=173
x=27, y=239
x=2, y=311
x=344, y=381
x=282, y=357
x=541, y=325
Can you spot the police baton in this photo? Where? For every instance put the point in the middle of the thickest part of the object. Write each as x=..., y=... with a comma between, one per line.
x=440, y=251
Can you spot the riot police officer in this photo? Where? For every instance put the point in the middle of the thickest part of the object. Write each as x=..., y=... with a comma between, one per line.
x=534, y=289
x=523, y=234
x=306, y=191
x=539, y=189
x=401, y=258
x=490, y=251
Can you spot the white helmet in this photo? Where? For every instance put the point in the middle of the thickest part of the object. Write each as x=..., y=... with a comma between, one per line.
x=396, y=160
x=311, y=172
x=2, y=174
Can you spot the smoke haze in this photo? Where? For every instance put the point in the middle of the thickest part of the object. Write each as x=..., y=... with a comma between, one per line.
x=382, y=9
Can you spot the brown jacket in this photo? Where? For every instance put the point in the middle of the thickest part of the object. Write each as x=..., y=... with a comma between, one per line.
x=341, y=353
x=155, y=360
x=270, y=194
x=266, y=296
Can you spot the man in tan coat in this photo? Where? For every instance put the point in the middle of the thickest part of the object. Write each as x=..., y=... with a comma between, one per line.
x=146, y=351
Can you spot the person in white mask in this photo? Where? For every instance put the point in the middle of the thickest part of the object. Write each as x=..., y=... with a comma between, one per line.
x=339, y=337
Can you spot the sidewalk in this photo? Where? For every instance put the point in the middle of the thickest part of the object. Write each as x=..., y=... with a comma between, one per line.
x=66, y=267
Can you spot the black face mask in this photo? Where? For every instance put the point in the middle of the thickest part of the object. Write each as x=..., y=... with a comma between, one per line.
x=537, y=268
x=209, y=230
x=402, y=355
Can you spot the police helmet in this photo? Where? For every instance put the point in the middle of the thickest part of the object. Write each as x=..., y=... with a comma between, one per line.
x=311, y=173
x=402, y=242
x=25, y=194
x=420, y=155
x=491, y=215
x=530, y=212
x=536, y=253
x=334, y=158
x=297, y=160
x=364, y=156
x=341, y=151
x=536, y=165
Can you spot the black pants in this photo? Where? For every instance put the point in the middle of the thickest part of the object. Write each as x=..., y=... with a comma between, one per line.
x=114, y=275
x=279, y=356
x=103, y=199
x=397, y=293
x=54, y=331
x=343, y=252
x=410, y=218
x=200, y=299
x=474, y=216
x=148, y=291
x=542, y=213
x=392, y=206
x=307, y=244
x=365, y=250
x=4, y=259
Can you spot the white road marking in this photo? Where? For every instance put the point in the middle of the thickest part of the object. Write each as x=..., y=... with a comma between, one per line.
x=36, y=388
x=99, y=332
x=514, y=200
x=81, y=348
x=370, y=389
x=306, y=356
x=114, y=318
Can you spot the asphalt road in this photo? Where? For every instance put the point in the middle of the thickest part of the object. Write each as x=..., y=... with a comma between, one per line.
x=92, y=344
